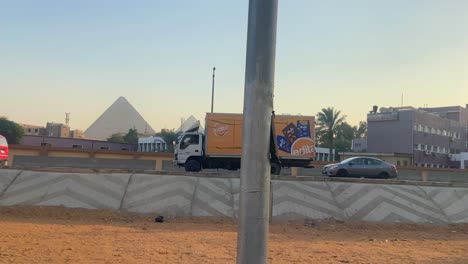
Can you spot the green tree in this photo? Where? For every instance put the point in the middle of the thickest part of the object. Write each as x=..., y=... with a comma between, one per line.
x=118, y=138
x=11, y=131
x=169, y=136
x=131, y=137
x=345, y=133
x=328, y=120
x=361, y=131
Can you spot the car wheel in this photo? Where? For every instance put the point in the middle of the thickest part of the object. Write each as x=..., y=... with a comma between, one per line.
x=342, y=173
x=384, y=175
x=193, y=166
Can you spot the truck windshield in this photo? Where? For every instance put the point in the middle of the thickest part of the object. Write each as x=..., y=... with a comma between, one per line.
x=189, y=140
x=3, y=142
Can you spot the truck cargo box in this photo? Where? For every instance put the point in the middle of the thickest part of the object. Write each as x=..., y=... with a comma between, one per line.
x=294, y=135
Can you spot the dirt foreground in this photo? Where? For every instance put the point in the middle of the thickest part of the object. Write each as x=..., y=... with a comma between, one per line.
x=59, y=235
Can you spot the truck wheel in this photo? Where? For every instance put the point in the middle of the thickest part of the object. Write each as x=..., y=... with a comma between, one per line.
x=193, y=166
x=275, y=169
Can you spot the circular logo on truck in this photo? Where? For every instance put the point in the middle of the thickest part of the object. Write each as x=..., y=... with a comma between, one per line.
x=220, y=130
x=303, y=147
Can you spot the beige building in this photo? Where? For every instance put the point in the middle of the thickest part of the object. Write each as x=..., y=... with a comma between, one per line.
x=57, y=130
x=32, y=130
x=77, y=134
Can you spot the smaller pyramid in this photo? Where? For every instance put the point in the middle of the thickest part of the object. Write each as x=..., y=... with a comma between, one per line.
x=188, y=123
x=118, y=118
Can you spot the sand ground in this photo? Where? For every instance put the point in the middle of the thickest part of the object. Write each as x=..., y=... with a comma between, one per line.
x=60, y=235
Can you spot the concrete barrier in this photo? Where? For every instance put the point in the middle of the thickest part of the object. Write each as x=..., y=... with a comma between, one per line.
x=386, y=203
x=170, y=195
x=453, y=202
x=195, y=195
x=72, y=190
x=74, y=162
x=6, y=177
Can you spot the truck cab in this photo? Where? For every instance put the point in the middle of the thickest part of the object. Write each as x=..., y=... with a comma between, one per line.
x=189, y=151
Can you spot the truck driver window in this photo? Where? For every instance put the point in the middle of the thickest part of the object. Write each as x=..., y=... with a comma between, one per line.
x=189, y=140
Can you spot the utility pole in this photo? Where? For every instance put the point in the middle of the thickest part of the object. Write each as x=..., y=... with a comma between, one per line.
x=254, y=205
x=212, y=89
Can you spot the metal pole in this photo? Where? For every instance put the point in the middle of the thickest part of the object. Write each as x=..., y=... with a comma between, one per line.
x=254, y=204
x=212, y=89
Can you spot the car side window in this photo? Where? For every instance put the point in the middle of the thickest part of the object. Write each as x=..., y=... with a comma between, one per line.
x=359, y=161
x=374, y=162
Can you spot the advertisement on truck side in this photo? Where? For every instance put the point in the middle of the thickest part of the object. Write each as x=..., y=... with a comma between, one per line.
x=295, y=136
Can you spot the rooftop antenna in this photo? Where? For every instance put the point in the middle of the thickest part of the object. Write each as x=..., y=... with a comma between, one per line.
x=67, y=119
x=401, y=99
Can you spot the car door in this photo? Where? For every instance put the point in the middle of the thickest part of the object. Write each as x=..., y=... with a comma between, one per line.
x=375, y=167
x=189, y=146
x=356, y=167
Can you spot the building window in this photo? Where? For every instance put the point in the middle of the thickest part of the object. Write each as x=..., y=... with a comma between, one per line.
x=77, y=146
x=104, y=148
x=405, y=163
x=29, y=130
x=36, y=130
x=398, y=163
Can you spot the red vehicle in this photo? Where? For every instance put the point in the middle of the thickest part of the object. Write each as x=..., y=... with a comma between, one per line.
x=3, y=151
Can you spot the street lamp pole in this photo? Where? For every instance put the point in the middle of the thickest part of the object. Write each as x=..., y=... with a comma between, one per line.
x=212, y=89
x=254, y=204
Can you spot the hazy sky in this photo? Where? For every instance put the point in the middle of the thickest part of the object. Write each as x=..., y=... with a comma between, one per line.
x=80, y=56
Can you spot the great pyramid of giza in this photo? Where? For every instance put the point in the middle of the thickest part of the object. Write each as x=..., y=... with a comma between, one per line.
x=118, y=118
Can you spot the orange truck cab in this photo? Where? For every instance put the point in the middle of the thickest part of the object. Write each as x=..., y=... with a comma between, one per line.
x=292, y=143
x=3, y=151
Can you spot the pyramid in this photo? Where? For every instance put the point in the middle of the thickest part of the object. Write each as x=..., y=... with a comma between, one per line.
x=118, y=118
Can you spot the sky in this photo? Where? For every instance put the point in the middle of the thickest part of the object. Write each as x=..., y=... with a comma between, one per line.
x=79, y=56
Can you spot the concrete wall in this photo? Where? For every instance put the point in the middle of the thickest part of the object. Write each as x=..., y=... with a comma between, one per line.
x=172, y=195
x=55, y=157
x=77, y=162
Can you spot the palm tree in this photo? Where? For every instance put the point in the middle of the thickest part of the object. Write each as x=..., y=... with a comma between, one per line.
x=328, y=120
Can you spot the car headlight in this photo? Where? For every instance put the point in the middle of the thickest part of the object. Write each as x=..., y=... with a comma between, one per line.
x=333, y=167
